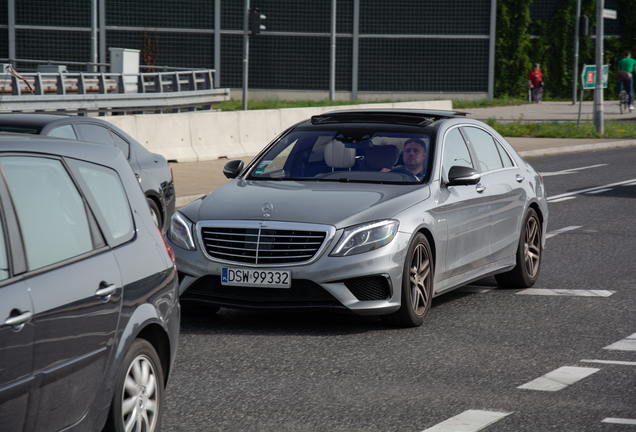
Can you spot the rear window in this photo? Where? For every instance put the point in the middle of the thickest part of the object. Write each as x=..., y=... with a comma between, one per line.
x=366, y=154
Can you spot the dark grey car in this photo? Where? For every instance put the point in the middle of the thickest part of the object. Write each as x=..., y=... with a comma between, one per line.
x=89, y=311
x=152, y=170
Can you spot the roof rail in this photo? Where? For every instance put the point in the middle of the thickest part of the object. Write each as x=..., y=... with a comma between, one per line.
x=403, y=116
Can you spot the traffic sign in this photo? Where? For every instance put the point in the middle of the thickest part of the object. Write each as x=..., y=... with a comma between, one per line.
x=609, y=13
x=588, y=79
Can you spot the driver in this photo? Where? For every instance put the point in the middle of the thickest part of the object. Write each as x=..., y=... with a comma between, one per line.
x=414, y=156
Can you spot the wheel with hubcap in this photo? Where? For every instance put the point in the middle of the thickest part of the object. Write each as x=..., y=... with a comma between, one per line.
x=526, y=271
x=138, y=399
x=417, y=285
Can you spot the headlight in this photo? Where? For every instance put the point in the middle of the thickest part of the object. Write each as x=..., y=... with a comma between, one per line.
x=366, y=237
x=180, y=232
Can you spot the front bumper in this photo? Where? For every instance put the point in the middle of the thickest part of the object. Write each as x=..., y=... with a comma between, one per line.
x=367, y=284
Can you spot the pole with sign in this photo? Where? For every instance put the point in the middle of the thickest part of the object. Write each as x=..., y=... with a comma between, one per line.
x=588, y=82
x=598, y=90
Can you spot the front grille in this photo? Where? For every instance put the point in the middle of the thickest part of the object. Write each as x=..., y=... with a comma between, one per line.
x=369, y=288
x=302, y=293
x=261, y=245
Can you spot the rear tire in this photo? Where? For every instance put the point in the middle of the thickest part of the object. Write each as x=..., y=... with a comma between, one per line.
x=417, y=285
x=526, y=271
x=138, y=399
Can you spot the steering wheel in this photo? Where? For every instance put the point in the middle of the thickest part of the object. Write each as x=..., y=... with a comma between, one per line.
x=408, y=175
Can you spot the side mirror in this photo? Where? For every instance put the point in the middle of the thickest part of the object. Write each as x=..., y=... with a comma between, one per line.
x=462, y=176
x=233, y=168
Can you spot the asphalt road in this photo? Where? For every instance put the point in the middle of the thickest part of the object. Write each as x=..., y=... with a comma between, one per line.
x=256, y=371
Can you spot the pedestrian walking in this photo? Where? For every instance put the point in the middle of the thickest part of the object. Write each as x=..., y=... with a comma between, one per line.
x=535, y=83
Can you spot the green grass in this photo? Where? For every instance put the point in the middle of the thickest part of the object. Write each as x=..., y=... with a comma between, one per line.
x=237, y=105
x=620, y=130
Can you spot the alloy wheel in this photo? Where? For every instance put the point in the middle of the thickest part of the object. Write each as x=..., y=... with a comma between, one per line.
x=420, y=279
x=532, y=247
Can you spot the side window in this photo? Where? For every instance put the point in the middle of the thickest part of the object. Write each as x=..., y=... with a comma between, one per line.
x=505, y=158
x=485, y=147
x=122, y=144
x=455, y=152
x=50, y=209
x=65, y=131
x=111, y=200
x=95, y=134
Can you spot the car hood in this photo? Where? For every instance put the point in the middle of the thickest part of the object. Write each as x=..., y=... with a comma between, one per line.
x=333, y=203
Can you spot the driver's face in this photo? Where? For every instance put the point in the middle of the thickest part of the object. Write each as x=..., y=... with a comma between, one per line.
x=414, y=155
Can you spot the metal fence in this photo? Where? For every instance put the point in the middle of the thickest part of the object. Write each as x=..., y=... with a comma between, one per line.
x=419, y=46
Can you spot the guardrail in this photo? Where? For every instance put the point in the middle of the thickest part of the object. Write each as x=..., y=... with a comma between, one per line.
x=173, y=91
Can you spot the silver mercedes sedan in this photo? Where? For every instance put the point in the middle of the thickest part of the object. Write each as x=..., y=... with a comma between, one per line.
x=373, y=212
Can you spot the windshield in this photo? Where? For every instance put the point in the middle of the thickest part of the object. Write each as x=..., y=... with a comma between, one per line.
x=363, y=154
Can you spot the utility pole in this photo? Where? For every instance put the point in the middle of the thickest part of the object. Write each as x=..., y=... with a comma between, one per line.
x=332, y=62
x=575, y=69
x=93, y=68
x=598, y=90
x=246, y=49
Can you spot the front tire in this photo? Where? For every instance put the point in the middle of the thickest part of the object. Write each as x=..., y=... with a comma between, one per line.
x=417, y=285
x=526, y=271
x=138, y=399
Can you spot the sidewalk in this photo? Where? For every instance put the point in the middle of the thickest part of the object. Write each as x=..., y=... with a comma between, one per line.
x=195, y=179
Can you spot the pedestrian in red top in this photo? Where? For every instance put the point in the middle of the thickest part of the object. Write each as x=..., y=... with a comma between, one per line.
x=535, y=82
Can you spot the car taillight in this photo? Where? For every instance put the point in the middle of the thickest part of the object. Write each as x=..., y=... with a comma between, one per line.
x=168, y=248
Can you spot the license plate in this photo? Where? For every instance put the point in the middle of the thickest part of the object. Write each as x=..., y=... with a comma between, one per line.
x=256, y=278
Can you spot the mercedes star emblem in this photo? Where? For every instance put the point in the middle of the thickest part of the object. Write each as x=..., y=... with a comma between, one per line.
x=267, y=209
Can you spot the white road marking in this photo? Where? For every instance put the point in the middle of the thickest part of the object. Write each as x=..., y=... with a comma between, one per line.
x=561, y=199
x=569, y=194
x=561, y=230
x=559, y=378
x=630, y=184
x=619, y=421
x=567, y=292
x=570, y=171
x=627, y=344
x=468, y=421
x=599, y=191
x=616, y=362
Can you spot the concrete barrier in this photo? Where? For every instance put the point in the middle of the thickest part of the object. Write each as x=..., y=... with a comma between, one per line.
x=199, y=136
x=215, y=136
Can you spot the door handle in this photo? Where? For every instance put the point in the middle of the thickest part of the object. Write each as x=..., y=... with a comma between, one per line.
x=19, y=320
x=520, y=178
x=480, y=188
x=106, y=292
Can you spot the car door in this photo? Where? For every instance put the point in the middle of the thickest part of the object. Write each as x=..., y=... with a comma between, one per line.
x=503, y=182
x=75, y=285
x=16, y=340
x=466, y=210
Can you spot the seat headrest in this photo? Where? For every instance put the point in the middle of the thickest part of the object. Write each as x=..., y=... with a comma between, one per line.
x=338, y=156
x=379, y=157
